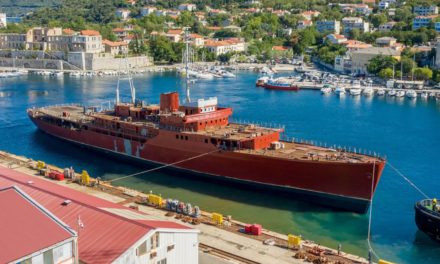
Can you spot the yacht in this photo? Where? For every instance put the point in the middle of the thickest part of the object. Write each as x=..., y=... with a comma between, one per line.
x=327, y=89
x=356, y=88
x=368, y=91
x=380, y=92
x=340, y=90
x=400, y=94
x=411, y=94
x=392, y=92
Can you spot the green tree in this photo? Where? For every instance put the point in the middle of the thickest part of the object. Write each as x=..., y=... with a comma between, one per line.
x=378, y=19
x=354, y=34
x=162, y=50
x=386, y=73
x=424, y=73
x=376, y=64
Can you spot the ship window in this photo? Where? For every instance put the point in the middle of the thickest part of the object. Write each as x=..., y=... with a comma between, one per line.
x=186, y=137
x=200, y=123
x=177, y=136
x=206, y=140
x=181, y=137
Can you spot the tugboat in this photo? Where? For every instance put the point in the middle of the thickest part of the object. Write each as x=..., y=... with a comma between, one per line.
x=428, y=217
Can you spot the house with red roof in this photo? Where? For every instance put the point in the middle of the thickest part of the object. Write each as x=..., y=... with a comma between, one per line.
x=29, y=233
x=107, y=232
x=219, y=47
x=115, y=47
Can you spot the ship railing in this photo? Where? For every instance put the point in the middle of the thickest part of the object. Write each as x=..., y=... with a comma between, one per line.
x=338, y=148
x=257, y=124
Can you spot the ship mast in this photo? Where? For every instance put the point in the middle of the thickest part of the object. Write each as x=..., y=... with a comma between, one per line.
x=186, y=58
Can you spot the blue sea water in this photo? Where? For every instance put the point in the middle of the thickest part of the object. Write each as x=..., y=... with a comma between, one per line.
x=407, y=132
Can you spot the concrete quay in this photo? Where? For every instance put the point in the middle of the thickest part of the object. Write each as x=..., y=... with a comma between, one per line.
x=218, y=244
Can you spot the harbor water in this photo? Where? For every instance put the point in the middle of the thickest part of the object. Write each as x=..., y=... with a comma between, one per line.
x=405, y=131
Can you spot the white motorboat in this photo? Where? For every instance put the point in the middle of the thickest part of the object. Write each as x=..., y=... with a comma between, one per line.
x=326, y=90
x=340, y=91
x=400, y=94
x=355, y=91
x=432, y=95
x=392, y=92
x=411, y=94
x=380, y=92
x=205, y=75
x=424, y=95
x=57, y=73
x=368, y=91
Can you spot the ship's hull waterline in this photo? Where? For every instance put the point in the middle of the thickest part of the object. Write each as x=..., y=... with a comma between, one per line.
x=328, y=183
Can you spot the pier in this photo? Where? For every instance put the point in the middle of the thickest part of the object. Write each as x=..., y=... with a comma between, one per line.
x=224, y=243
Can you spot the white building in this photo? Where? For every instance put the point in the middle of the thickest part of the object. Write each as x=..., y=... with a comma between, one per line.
x=32, y=234
x=148, y=10
x=187, y=7
x=3, y=22
x=219, y=47
x=303, y=24
x=331, y=26
x=123, y=14
x=387, y=26
x=425, y=10
x=422, y=21
x=350, y=23
x=384, y=5
x=336, y=38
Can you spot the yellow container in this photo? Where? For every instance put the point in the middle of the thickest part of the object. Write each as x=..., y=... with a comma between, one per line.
x=40, y=164
x=381, y=261
x=85, y=177
x=155, y=199
x=293, y=240
x=217, y=218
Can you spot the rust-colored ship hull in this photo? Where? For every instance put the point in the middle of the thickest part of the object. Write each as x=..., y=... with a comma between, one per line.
x=344, y=185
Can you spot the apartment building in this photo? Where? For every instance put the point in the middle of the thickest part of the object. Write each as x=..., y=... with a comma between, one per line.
x=350, y=23
x=219, y=47
x=425, y=10
x=422, y=21
x=360, y=58
x=331, y=26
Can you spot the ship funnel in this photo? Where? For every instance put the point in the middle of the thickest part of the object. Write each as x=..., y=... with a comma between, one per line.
x=169, y=102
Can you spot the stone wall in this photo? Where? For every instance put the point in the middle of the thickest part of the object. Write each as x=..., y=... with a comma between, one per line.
x=104, y=61
x=36, y=64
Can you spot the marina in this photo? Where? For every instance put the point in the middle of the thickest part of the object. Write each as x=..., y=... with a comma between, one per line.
x=371, y=114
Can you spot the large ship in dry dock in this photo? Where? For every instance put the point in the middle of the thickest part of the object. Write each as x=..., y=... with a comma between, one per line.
x=198, y=137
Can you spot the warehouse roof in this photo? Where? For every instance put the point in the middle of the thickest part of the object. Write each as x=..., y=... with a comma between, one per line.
x=27, y=227
x=105, y=235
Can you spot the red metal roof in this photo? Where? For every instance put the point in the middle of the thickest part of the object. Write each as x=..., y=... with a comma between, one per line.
x=105, y=235
x=26, y=227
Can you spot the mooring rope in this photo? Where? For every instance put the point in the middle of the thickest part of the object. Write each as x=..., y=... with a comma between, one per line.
x=408, y=180
x=163, y=166
x=370, y=248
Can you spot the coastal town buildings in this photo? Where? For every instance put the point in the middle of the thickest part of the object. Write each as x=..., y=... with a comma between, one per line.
x=108, y=232
x=361, y=57
x=187, y=7
x=423, y=21
x=336, y=38
x=303, y=24
x=123, y=14
x=148, y=10
x=385, y=27
x=330, y=26
x=219, y=47
x=115, y=47
x=30, y=233
x=425, y=10
x=350, y=23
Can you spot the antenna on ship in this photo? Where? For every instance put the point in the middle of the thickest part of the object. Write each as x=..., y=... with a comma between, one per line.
x=186, y=58
x=130, y=81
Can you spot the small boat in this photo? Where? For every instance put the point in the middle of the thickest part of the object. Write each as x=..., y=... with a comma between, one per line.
x=400, y=94
x=340, y=91
x=380, y=92
x=424, y=95
x=392, y=92
x=326, y=89
x=57, y=73
x=428, y=217
x=355, y=91
x=368, y=91
x=432, y=95
x=276, y=84
x=411, y=94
